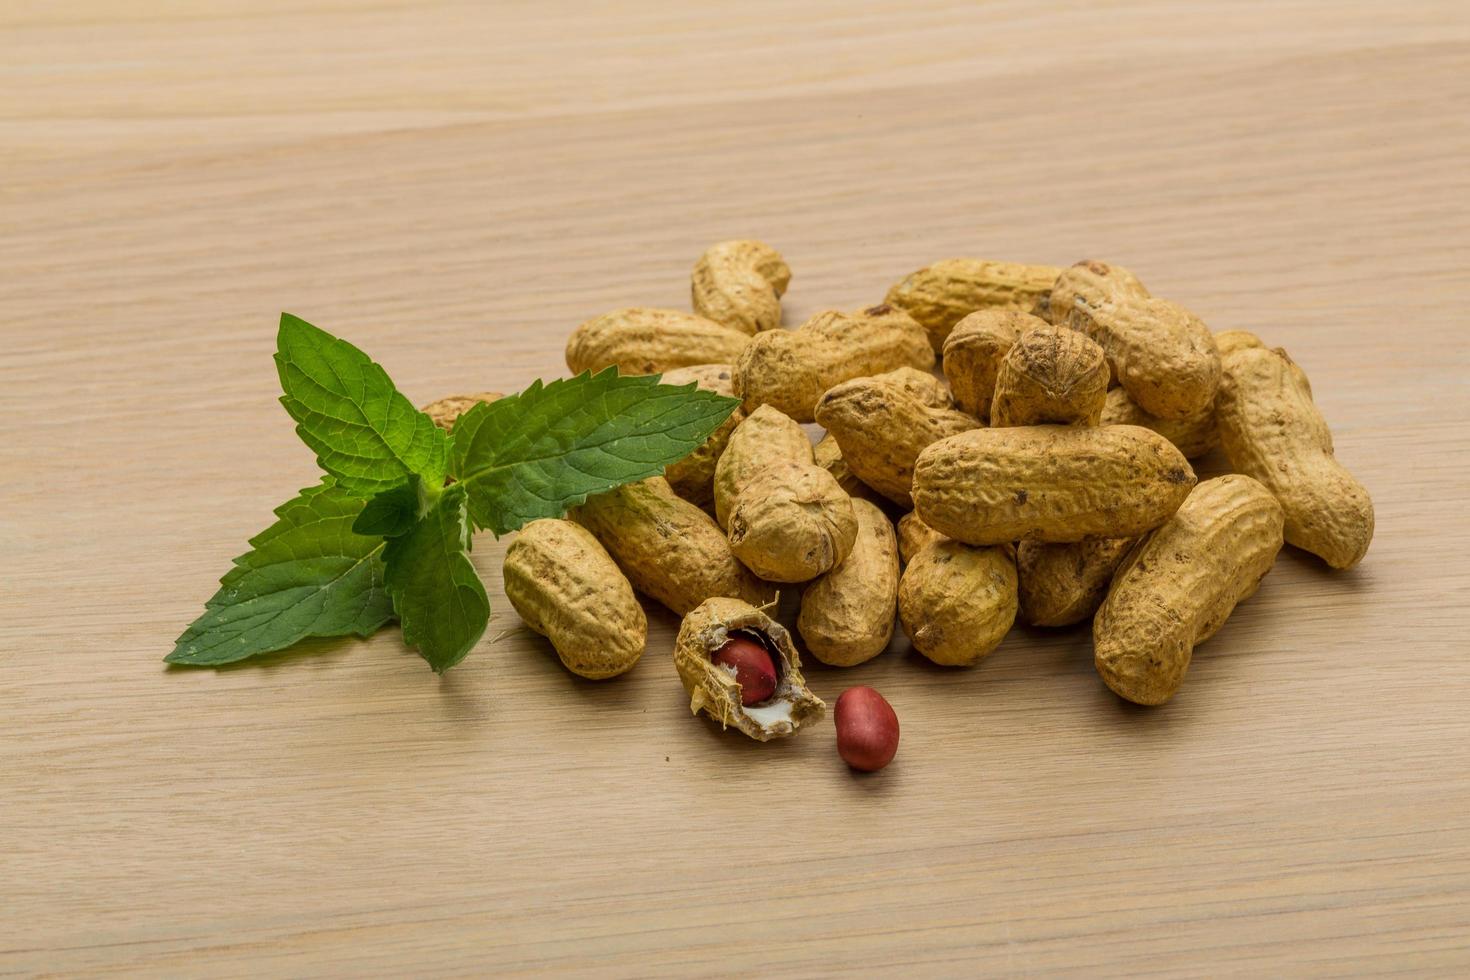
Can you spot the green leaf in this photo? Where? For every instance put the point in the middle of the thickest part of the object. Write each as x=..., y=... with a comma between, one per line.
x=537, y=453
x=435, y=590
x=307, y=574
x=393, y=512
x=363, y=431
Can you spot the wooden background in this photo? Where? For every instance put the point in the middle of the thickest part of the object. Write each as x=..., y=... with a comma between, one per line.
x=454, y=187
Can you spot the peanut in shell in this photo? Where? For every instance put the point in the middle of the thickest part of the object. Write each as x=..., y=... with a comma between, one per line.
x=1178, y=585
x=645, y=340
x=668, y=548
x=938, y=296
x=763, y=437
x=693, y=476
x=791, y=523
x=973, y=353
x=1049, y=483
x=847, y=615
x=1062, y=584
x=1272, y=430
x=567, y=588
x=446, y=411
x=957, y=601
x=739, y=284
x=1194, y=436
x=790, y=369
x=714, y=690
x=1051, y=374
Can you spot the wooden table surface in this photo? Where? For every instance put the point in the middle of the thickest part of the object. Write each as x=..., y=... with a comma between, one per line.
x=454, y=187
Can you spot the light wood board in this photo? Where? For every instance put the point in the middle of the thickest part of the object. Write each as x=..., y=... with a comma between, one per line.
x=453, y=187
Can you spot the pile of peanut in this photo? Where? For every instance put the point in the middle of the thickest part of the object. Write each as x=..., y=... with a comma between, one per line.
x=1046, y=476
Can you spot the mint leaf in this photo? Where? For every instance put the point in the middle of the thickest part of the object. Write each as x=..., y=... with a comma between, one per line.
x=363, y=431
x=393, y=512
x=537, y=453
x=307, y=574
x=436, y=592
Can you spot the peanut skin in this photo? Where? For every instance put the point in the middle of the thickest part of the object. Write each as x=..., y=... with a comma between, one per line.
x=643, y=340
x=847, y=615
x=940, y=295
x=1050, y=374
x=973, y=352
x=1049, y=483
x=693, y=477
x=790, y=369
x=670, y=549
x=882, y=428
x=740, y=284
x=1271, y=430
x=957, y=602
x=1180, y=583
x=568, y=589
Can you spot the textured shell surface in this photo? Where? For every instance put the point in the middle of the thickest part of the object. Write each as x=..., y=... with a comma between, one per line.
x=764, y=437
x=790, y=369
x=739, y=284
x=882, y=428
x=828, y=455
x=1084, y=286
x=957, y=602
x=847, y=615
x=1062, y=584
x=566, y=587
x=1051, y=374
x=973, y=352
x=713, y=689
x=791, y=523
x=645, y=340
x=670, y=549
x=1177, y=586
x=914, y=535
x=446, y=411
x=1194, y=436
x=938, y=296
x=1272, y=430
x=1049, y=483
x=693, y=476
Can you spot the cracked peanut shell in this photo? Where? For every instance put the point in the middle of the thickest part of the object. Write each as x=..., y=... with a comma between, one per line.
x=847, y=615
x=740, y=283
x=567, y=588
x=714, y=690
x=1049, y=483
x=1178, y=585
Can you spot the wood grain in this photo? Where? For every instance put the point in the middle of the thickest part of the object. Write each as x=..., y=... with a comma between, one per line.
x=454, y=187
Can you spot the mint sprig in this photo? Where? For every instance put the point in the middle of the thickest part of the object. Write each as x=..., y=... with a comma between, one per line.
x=383, y=536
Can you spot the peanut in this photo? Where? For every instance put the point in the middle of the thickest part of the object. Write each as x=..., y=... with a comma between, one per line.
x=755, y=669
x=792, y=523
x=1062, y=584
x=1049, y=483
x=568, y=589
x=847, y=615
x=763, y=437
x=1051, y=374
x=1272, y=430
x=881, y=428
x=642, y=340
x=1180, y=583
x=1160, y=352
x=957, y=602
x=1230, y=341
x=828, y=455
x=1194, y=436
x=715, y=688
x=942, y=294
x=693, y=477
x=740, y=283
x=867, y=729
x=914, y=535
x=973, y=352
x=790, y=369
x=670, y=550
x=446, y=411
